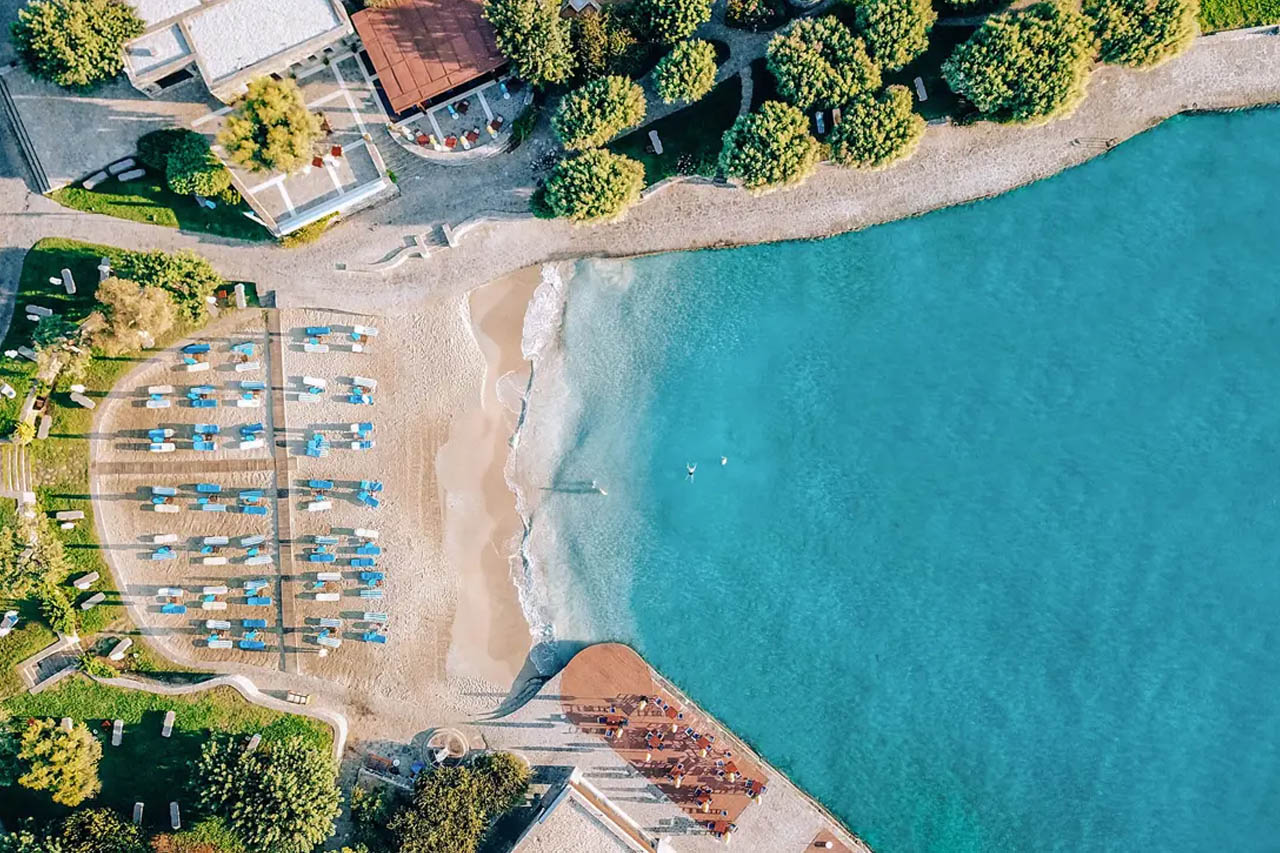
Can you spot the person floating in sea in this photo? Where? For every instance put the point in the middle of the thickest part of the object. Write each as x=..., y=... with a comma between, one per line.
x=595, y=487
x=724, y=460
x=691, y=467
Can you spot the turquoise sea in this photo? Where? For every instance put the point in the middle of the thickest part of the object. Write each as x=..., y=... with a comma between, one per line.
x=994, y=563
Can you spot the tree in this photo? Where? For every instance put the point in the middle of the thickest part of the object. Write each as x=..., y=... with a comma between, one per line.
x=504, y=781
x=670, y=21
x=75, y=43
x=26, y=840
x=52, y=332
x=99, y=831
x=190, y=278
x=191, y=168
x=686, y=73
x=154, y=146
x=1142, y=33
x=876, y=130
x=534, y=37
x=271, y=129
x=595, y=185
x=896, y=31
x=598, y=111
x=370, y=812
x=131, y=313
x=445, y=814
x=282, y=797
x=24, y=432
x=769, y=148
x=603, y=43
x=56, y=609
x=19, y=574
x=819, y=62
x=1026, y=66
x=62, y=762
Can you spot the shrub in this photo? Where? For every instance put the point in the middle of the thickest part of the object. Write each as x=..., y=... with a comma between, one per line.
x=370, y=812
x=876, y=130
x=281, y=797
x=210, y=835
x=451, y=807
x=154, y=147
x=1025, y=66
x=594, y=185
x=308, y=233
x=896, y=31
x=504, y=781
x=19, y=576
x=769, y=148
x=686, y=73
x=65, y=763
x=191, y=168
x=819, y=62
x=56, y=610
x=1142, y=33
x=670, y=21
x=24, y=432
x=604, y=44
x=596, y=112
x=187, y=276
x=754, y=15
x=270, y=128
x=75, y=43
x=230, y=196
x=98, y=831
x=534, y=37
x=95, y=666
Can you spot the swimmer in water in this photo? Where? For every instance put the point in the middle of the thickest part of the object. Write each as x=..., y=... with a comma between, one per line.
x=690, y=467
x=724, y=460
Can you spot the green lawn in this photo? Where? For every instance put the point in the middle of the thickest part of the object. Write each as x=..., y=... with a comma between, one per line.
x=149, y=200
x=146, y=767
x=60, y=463
x=1234, y=14
x=690, y=137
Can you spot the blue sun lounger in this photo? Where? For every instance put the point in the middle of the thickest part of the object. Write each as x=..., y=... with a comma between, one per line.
x=254, y=623
x=213, y=507
x=256, y=539
x=163, y=553
x=174, y=608
x=369, y=550
x=158, y=499
x=258, y=601
x=325, y=540
x=371, y=577
x=245, y=348
x=256, y=583
x=253, y=645
x=258, y=509
x=206, y=429
x=252, y=429
x=362, y=562
x=196, y=349
x=374, y=637
x=367, y=499
x=167, y=491
x=360, y=399
x=204, y=445
x=320, y=557
x=200, y=403
x=323, y=485
x=208, y=488
x=252, y=385
x=374, y=616
x=371, y=485
x=315, y=331
x=247, y=495
x=363, y=429
x=158, y=434
x=371, y=593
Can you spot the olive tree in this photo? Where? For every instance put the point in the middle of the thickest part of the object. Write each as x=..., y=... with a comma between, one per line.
x=769, y=148
x=686, y=73
x=670, y=21
x=74, y=43
x=896, y=31
x=533, y=35
x=188, y=277
x=597, y=111
x=64, y=763
x=131, y=314
x=1025, y=66
x=876, y=130
x=270, y=128
x=281, y=797
x=819, y=62
x=593, y=185
x=1142, y=33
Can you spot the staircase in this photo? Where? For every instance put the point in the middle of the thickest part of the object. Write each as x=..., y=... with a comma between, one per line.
x=16, y=478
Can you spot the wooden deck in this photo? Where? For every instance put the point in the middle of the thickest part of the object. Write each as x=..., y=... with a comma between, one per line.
x=609, y=690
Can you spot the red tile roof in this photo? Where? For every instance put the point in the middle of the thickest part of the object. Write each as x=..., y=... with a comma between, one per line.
x=421, y=48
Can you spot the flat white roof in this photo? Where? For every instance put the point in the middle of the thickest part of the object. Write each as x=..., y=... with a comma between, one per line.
x=153, y=12
x=236, y=34
x=156, y=49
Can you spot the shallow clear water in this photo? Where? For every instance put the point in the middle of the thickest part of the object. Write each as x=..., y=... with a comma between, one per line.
x=993, y=562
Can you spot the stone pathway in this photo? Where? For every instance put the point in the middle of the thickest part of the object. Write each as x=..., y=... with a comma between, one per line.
x=283, y=505
x=748, y=89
